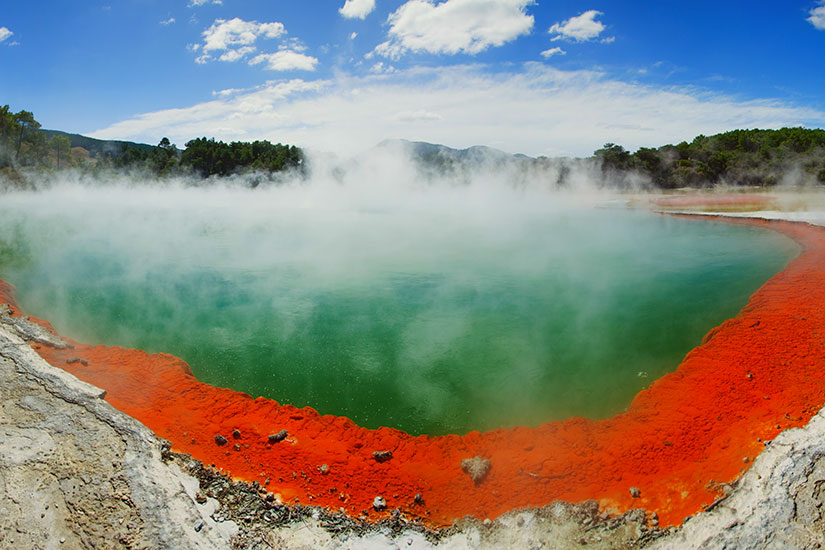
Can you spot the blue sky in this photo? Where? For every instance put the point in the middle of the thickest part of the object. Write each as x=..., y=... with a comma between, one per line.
x=538, y=77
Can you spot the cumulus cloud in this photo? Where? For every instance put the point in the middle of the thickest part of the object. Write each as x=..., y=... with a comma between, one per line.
x=236, y=54
x=225, y=34
x=547, y=54
x=196, y=3
x=581, y=28
x=235, y=39
x=357, y=9
x=817, y=18
x=382, y=68
x=285, y=60
x=454, y=26
x=168, y=22
x=5, y=34
x=536, y=110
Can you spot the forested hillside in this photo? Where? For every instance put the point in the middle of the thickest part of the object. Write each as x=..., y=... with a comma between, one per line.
x=739, y=157
x=24, y=147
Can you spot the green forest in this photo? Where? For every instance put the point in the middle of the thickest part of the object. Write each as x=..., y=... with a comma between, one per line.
x=23, y=144
x=739, y=158
x=25, y=147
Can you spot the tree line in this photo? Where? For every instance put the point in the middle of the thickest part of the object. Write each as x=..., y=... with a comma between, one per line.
x=23, y=145
x=209, y=157
x=738, y=157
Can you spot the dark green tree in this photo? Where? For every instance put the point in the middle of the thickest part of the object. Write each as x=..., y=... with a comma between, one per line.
x=25, y=122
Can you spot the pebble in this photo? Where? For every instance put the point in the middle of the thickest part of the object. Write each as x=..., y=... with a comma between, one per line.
x=476, y=467
x=382, y=456
x=236, y=433
x=220, y=440
x=280, y=436
x=418, y=498
x=635, y=492
x=199, y=525
x=379, y=503
x=487, y=522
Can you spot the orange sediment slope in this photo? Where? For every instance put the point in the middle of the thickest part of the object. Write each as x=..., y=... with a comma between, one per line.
x=681, y=439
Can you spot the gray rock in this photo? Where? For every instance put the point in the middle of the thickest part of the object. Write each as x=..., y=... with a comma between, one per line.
x=476, y=467
x=278, y=437
x=382, y=456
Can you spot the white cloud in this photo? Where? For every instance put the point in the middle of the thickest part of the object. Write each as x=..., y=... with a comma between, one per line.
x=357, y=9
x=285, y=60
x=195, y=3
x=535, y=110
x=5, y=34
x=235, y=37
x=353, y=36
x=224, y=34
x=168, y=22
x=547, y=54
x=381, y=68
x=417, y=116
x=229, y=92
x=581, y=28
x=236, y=54
x=817, y=18
x=454, y=26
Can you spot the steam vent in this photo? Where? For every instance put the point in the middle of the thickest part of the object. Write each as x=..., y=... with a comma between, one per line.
x=680, y=442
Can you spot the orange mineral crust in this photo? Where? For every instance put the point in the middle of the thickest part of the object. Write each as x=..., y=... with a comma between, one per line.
x=680, y=440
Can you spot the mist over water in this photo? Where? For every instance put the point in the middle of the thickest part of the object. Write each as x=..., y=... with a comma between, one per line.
x=432, y=308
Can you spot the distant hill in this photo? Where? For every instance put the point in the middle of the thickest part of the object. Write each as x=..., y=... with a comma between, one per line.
x=99, y=147
x=434, y=162
x=433, y=151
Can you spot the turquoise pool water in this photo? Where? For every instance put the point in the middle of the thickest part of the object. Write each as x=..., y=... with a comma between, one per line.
x=432, y=315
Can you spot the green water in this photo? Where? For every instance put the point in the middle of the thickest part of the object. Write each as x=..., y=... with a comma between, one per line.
x=431, y=317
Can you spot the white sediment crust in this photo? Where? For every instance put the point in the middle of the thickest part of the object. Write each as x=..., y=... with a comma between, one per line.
x=77, y=473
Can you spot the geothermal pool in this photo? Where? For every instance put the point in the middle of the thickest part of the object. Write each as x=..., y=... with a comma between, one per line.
x=436, y=311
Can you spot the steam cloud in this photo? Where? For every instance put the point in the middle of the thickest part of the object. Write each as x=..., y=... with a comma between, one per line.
x=249, y=263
